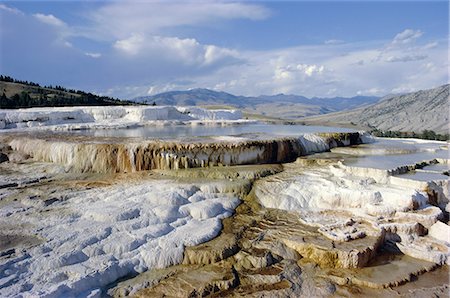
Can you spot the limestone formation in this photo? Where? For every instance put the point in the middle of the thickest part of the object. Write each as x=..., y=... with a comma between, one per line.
x=315, y=227
x=89, y=156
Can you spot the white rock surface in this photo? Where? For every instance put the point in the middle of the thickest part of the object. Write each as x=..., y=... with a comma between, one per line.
x=204, y=114
x=61, y=118
x=387, y=192
x=96, y=236
x=440, y=231
x=333, y=188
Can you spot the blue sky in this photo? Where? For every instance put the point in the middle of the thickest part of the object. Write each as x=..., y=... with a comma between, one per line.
x=129, y=48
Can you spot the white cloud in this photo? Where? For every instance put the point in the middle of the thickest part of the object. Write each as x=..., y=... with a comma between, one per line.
x=131, y=45
x=309, y=70
x=298, y=72
x=430, y=66
x=152, y=90
x=430, y=45
x=10, y=9
x=407, y=36
x=332, y=70
x=403, y=89
x=406, y=58
x=93, y=55
x=283, y=74
x=214, y=54
x=187, y=51
x=405, y=47
x=117, y=19
x=50, y=20
x=60, y=30
x=372, y=92
x=334, y=41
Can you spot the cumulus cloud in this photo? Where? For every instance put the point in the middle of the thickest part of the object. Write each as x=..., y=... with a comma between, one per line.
x=50, y=20
x=188, y=50
x=332, y=70
x=309, y=70
x=299, y=72
x=407, y=36
x=131, y=45
x=214, y=54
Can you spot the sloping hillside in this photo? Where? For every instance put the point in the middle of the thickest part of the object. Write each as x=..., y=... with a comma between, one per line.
x=412, y=112
x=23, y=94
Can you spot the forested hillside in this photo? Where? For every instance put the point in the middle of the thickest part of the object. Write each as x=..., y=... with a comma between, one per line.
x=23, y=94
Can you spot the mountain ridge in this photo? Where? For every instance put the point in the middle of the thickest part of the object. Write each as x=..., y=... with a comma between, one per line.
x=280, y=105
x=411, y=112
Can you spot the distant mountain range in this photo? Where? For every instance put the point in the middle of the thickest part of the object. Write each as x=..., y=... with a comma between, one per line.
x=412, y=112
x=278, y=106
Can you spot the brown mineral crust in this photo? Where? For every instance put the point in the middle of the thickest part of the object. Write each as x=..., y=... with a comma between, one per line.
x=195, y=282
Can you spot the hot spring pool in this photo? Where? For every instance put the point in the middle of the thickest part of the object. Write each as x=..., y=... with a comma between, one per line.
x=180, y=131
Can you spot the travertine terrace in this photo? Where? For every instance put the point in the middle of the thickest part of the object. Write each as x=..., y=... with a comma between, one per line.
x=97, y=155
x=250, y=215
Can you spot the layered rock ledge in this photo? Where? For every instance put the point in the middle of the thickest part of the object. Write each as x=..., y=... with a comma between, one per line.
x=113, y=156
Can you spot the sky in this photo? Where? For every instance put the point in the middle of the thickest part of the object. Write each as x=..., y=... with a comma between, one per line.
x=128, y=48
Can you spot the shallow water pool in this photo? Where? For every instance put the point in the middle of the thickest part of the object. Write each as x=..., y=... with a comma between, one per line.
x=177, y=131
